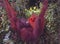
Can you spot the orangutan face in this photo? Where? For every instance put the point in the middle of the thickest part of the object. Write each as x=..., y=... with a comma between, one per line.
x=32, y=20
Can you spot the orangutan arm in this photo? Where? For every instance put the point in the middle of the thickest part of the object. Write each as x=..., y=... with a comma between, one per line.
x=10, y=13
x=41, y=16
x=44, y=8
x=40, y=21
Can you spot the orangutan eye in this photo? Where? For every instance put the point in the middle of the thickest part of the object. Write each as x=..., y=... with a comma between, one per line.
x=31, y=19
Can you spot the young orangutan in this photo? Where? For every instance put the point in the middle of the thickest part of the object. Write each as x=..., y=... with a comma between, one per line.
x=35, y=26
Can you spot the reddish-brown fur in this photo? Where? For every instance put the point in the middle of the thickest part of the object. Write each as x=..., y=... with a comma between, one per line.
x=29, y=33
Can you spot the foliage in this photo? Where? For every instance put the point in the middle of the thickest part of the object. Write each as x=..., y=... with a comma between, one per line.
x=51, y=26
x=36, y=10
x=50, y=18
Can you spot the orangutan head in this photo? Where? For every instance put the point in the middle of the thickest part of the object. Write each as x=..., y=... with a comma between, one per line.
x=32, y=19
